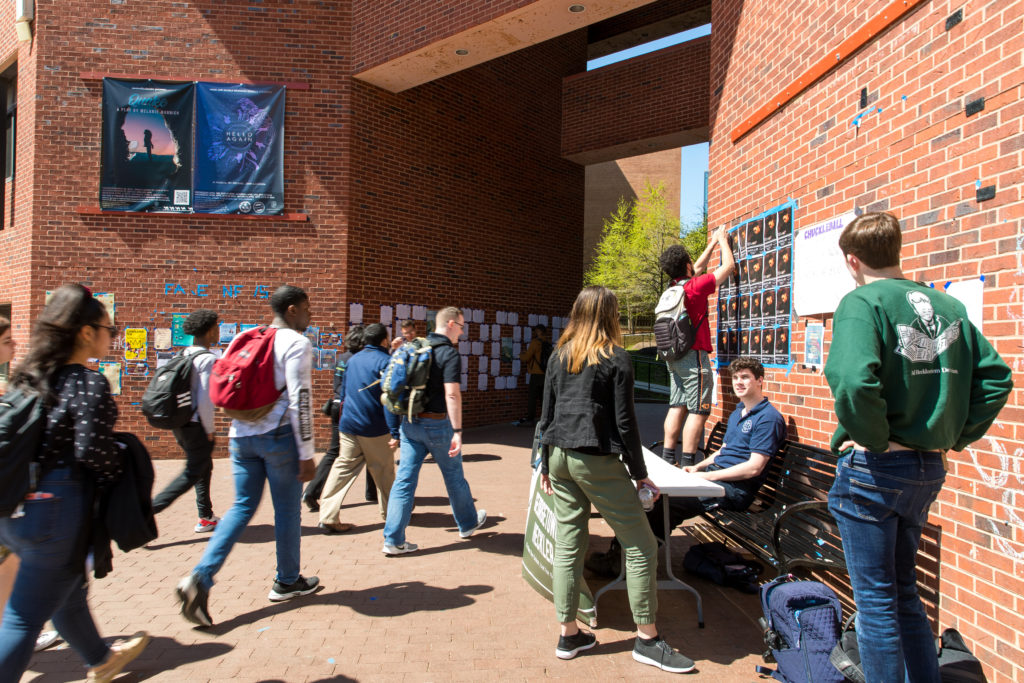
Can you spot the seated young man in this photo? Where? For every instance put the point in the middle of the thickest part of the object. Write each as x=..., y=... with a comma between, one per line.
x=755, y=432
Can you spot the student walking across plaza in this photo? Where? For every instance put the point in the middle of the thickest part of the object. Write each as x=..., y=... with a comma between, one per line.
x=591, y=454
x=436, y=430
x=275, y=448
x=912, y=378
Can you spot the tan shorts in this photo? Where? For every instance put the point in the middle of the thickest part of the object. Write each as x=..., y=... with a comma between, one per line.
x=690, y=382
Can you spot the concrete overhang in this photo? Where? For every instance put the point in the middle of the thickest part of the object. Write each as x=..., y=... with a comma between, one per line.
x=528, y=25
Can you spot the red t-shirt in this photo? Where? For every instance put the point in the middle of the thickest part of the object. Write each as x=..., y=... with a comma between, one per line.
x=698, y=289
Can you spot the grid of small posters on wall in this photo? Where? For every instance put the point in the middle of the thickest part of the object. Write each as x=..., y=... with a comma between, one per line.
x=755, y=307
x=192, y=147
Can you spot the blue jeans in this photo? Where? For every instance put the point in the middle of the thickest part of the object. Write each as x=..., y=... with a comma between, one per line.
x=880, y=502
x=51, y=583
x=271, y=457
x=420, y=437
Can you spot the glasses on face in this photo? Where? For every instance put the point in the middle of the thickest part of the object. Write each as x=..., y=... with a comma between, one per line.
x=461, y=325
x=112, y=329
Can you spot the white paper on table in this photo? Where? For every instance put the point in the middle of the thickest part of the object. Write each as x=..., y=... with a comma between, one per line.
x=512, y=382
x=971, y=293
x=516, y=367
x=484, y=332
x=403, y=311
x=481, y=383
x=495, y=331
x=478, y=315
x=465, y=364
x=533, y=319
x=482, y=365
x=495, y=367
x=513, y=318
x=355, y=313
x=501, y=317
x=464, y=384
x=387, y=314
x=496, y=349
x=465, y=347
x=517, y=334
x=517, y=349
x=419, y=312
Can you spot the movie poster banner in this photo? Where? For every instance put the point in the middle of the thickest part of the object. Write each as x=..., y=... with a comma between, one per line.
x=146, y=162
x=239, y=149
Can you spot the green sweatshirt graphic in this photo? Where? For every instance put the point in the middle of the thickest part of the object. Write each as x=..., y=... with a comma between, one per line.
x=906, y=365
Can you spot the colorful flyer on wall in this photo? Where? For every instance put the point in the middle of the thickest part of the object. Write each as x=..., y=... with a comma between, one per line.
x=146, y=162
x=178, y=336
x=162, y=338
x=239, y=148
x=227, y=331
x=135, y=343
x=813, y=346
x=112, y=371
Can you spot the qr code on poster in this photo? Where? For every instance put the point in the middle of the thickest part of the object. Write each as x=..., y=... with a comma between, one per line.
x=181, y=197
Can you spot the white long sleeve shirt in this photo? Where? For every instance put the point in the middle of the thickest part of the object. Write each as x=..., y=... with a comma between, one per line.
x=202, y=367
x=293, y=362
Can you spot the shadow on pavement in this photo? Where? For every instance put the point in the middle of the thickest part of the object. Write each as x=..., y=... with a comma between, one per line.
x=161, y=655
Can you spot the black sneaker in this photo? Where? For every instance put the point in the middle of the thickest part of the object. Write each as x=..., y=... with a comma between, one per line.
x=302, y=586
x=661, y=655
x=570, y=646
x=193, y=597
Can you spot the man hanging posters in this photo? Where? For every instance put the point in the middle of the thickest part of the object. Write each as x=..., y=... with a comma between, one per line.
x=239, y=148
x=146, y=160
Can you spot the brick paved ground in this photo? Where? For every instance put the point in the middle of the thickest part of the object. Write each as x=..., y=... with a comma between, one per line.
x=455, y=610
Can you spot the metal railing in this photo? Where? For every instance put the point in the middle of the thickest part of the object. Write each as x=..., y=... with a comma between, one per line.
x=650, y=374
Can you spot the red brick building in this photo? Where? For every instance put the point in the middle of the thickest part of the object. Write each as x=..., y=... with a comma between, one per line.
x=435, y=154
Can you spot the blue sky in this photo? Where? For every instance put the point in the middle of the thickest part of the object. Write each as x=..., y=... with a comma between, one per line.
x=693, y=161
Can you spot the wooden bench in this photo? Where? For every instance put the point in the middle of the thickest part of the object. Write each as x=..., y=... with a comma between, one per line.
x=788, y=525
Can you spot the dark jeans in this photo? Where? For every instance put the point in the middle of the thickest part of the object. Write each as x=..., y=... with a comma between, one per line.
x=737, y=498
x=197, y=473
x=50, y=583
x=315, y=487
x=535, y=397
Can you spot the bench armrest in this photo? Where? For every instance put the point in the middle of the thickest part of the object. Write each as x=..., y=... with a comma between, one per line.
x=781, y=519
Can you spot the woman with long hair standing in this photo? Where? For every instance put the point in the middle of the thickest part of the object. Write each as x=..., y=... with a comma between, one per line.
x=78, y=453
x=590, y=453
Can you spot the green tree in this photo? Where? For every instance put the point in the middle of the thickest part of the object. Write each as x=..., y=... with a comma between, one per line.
x=631, y=243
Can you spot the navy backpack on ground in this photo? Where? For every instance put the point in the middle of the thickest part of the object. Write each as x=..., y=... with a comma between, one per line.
x=802, y=623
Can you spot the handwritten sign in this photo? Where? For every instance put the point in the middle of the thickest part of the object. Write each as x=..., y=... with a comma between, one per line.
x=820, y=278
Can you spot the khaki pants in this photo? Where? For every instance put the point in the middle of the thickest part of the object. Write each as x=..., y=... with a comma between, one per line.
x=354, y=452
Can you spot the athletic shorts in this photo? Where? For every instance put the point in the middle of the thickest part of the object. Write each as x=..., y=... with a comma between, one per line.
x=690, y=382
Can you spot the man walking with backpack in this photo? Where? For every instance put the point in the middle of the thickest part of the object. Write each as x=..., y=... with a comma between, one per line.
x=690, y=376
x=273, y=444
x=906, y=391
x=437, y=429
x=196, y=436
x=536, y=358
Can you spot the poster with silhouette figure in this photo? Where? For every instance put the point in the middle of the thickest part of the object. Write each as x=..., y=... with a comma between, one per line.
x=146, y=159
x=239, y=148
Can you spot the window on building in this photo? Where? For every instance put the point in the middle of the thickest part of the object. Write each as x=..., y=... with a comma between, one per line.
x=8, y=138
x=5, y=369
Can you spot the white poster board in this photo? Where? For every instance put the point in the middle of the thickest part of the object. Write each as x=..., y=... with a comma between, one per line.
x=971, y=293
x=820, y=278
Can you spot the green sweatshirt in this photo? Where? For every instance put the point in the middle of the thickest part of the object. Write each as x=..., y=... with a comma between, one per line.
x=906, y=365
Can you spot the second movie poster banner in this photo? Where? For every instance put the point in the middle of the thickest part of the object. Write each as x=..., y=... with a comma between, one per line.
x=239, y=148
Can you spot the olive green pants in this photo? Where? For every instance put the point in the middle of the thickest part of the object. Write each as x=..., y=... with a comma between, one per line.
x=579, y=480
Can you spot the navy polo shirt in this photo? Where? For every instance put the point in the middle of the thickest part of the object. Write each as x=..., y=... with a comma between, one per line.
x=762, y=430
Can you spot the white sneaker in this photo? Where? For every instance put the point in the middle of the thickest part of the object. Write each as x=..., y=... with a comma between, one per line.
x=399, y=549
x=205, y=526
x=481, y=517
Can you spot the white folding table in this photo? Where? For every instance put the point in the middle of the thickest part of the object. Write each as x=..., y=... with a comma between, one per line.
x=671, y=481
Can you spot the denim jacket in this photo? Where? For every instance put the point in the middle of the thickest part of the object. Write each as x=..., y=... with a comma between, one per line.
x=592, y=411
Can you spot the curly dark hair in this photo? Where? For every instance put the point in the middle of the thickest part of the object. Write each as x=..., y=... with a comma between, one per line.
x=674, y=260
x=354, y=340
x=747, y=363
x=200, y=322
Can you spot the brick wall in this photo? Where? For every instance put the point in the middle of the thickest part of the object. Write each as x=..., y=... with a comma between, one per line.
x=660, y=99
x=920, y=157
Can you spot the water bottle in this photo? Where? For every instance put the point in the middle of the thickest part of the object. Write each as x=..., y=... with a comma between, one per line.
x=646, y=498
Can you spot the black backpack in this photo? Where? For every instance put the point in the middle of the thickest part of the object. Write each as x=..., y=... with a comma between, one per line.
x=546, y=348
x=715, y=562
x=22, y=421
x=167, y=403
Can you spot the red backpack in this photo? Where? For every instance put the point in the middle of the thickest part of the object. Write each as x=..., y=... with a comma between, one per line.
x=242, y=383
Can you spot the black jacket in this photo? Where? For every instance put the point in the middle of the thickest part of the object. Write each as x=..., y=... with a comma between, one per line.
x=592, y=411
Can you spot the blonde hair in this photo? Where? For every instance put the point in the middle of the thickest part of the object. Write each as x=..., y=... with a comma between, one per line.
x=593, y=331
x=444, y=315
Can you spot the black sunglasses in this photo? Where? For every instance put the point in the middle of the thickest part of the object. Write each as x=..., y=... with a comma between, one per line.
x=112, y=329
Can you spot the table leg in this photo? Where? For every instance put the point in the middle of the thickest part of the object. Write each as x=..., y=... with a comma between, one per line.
x=674, y=581
x=614, y=583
